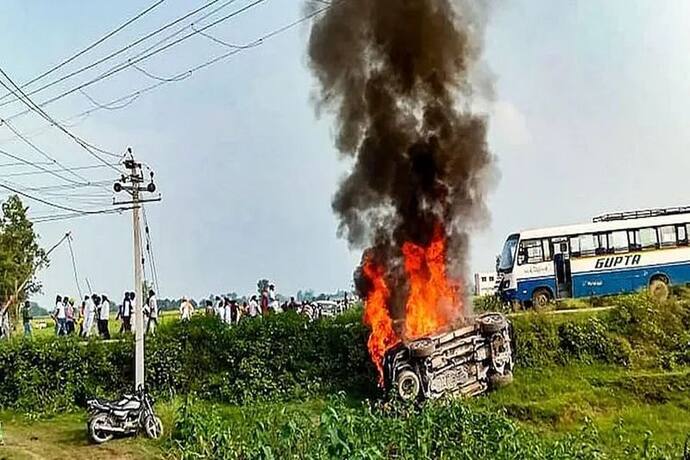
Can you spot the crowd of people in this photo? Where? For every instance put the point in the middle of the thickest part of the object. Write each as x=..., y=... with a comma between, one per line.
x=92, y=315
x=230, y=311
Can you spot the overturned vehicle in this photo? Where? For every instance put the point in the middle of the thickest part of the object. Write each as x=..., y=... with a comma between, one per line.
x=467, y=361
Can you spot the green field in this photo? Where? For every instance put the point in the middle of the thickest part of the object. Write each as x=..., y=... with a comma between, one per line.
x=621, y=405
x=608, y=383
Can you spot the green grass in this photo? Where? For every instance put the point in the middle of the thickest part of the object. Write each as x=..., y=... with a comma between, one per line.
x=64, y=437
x=624, y=406
x=617, y=401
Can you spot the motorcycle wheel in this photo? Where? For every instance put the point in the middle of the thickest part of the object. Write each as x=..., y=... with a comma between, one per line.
x=96, y=431
x=153, y=427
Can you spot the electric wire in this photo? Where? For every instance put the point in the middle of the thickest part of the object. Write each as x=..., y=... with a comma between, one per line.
x=149, y=250
x=46, y=202
x=46, y=170
x=90, y=47
x=29, y=103
x=124, y=65
x=74, y=265
x=119, y=51
x=73, y=168
x=189, y=72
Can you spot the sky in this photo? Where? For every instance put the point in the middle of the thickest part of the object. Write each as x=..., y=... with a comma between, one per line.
x=588, y=116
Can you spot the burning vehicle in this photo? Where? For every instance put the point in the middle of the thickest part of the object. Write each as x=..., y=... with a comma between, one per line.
x=467, y=361
x=402, y=79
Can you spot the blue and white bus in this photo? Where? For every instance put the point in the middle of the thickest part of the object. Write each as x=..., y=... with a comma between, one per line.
x=616, y=253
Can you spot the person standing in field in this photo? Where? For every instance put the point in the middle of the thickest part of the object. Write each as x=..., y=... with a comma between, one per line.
x=152, y=304
x=69, y=316
x=60, y=318
x=227, y=311
x=186, y=309
x=132, y=312
x=104, y=317
x=264, y=303
x=89, y=316
x=127, y=314
x=273, y=299
x=58, y=301
x=26, y=318
x=253, y=307
x=219, y=308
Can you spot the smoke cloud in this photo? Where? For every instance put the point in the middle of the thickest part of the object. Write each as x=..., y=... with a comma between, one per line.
x=398, y=74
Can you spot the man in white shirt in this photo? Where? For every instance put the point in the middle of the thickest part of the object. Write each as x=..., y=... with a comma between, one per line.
x=253, y=306
x=273, y=299
x=60, y=318
x=89, y=316
x=104, y=317
x=219, y=308
x=152, y=323
x=186, y=309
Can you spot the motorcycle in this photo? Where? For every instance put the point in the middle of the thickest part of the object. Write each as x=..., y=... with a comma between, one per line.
x=128, y=416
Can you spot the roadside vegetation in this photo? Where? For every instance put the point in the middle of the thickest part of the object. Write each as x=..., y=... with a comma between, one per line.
x=611, y=384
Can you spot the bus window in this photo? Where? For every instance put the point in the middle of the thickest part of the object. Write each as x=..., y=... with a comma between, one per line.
x=575, y=246
x=533, y=251
x=588, y=245
x=647, y=239
x=682, y=235
x=667, y=236
x=602, y=244
x=547, y=249
x=619, y=241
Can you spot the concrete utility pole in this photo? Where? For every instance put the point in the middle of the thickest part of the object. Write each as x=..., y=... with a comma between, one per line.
x=133, y=183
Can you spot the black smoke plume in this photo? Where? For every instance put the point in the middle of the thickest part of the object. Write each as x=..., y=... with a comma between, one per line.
x=399, y=76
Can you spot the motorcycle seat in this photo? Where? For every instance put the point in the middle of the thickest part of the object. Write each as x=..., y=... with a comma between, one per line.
x=121, y=405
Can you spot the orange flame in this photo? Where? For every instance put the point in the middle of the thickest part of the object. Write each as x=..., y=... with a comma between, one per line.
x=377, y=316
x=433, y=303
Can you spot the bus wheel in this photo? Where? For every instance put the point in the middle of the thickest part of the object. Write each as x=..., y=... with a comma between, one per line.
x=658, y=288
x=541, y=298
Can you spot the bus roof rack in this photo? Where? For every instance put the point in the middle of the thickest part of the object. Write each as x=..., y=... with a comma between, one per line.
x=641, y=213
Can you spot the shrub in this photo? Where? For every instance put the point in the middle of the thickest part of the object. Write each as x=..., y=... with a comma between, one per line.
x=659, y=332
x=276, y=358
x=536, y=340
x=284, y=357
x=591, y=341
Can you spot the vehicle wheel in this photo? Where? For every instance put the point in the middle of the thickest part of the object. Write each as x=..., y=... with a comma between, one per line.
x=153, y=427
x=500, y=380
x=658, y=288
x=96, y=431
x=408, y=385
x=422, y=348
x=492, y=322
x=541, y=298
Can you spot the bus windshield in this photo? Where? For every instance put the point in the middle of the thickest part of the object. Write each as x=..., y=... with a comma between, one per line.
x=505, y=263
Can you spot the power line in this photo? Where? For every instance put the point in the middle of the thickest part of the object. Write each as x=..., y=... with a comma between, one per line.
x=74, y=168
x=122, y=66
x=90, y=47
x=130, y=97
x=120, y=51
x=149, y=250
x=74, y=215
x=38, y=166
x=85, y=145
x=70, y=187
x=74, y=265
x=46, y=202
